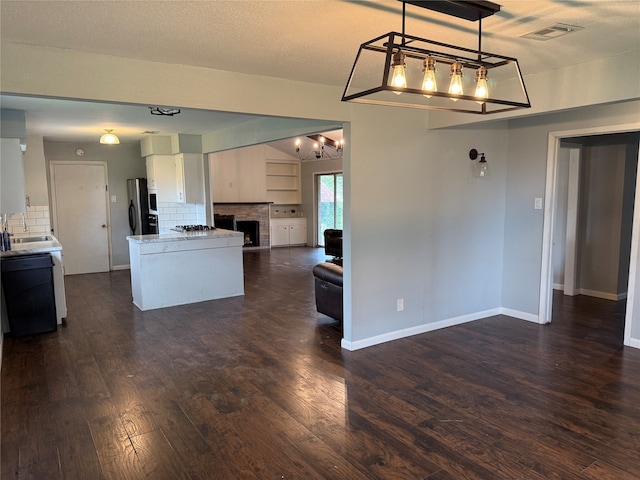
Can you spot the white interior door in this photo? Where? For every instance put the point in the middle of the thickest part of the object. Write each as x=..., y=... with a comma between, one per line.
x=79, y=194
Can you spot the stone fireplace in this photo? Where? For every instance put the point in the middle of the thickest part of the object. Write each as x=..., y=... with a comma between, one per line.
x=247, y=212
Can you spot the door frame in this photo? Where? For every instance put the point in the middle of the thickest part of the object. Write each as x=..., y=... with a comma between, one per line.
x=316, y=175
x=632, y=317
x=54, y=213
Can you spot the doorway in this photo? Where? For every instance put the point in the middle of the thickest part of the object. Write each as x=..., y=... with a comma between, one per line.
x=632, y=320
x=80, y=214
x=329, y=203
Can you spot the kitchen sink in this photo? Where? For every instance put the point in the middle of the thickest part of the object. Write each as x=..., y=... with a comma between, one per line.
x=32, y=239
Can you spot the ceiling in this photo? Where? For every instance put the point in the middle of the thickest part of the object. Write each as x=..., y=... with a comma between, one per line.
x=310, y=41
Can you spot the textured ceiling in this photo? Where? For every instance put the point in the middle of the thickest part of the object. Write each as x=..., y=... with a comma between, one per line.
x=313, y=40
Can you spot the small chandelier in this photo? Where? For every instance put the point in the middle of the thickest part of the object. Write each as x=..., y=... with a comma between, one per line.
x=319, y=150
x=410, y=76
x=109, y=138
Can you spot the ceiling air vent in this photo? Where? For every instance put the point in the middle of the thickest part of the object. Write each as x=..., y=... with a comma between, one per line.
x=554, y=31
x=150, y=132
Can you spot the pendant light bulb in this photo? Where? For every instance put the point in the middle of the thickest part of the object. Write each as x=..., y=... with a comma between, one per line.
x=455, y=87
x=483, y=167
x=109, y=138
x=429, y=81
x=482, y=89
x=398, y=77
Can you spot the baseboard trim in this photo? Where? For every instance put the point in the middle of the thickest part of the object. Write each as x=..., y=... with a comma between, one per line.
x=408, y=332
x=121, y=267
x=603, y=295
x=529, y=317
x=633, y=342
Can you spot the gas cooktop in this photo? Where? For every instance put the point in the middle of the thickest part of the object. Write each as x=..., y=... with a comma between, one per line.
x=192, y=228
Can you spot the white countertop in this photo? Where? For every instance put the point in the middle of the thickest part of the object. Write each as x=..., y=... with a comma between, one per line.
x=30, y=248
x=180, y=236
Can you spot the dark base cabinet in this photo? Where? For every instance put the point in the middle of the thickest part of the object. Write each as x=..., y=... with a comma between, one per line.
x=27, y=285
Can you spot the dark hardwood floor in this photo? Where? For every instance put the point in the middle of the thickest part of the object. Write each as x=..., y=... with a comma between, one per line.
x=257, y=387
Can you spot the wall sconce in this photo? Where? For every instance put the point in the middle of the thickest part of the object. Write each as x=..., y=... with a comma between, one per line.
x=479, y=169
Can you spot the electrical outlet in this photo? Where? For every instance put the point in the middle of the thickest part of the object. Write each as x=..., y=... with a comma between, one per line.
x=400, y=304
x=113, y=199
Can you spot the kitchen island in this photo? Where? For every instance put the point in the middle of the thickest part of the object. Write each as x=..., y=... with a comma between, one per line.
x=170, y=269
x=42, y=244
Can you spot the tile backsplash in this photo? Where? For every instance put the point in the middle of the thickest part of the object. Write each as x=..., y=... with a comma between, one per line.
x=171, y=214
x=36, y=219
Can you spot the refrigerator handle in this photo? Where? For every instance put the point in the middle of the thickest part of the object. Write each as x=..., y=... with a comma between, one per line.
x=132, y=218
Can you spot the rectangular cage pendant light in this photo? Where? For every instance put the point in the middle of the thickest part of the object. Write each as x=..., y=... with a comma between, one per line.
x=402, y=70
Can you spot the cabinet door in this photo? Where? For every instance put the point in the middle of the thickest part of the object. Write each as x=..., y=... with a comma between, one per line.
x=180, y=187
x=193, y=174
x=252, y=177
x=163, y=170
x=279, y=234
x=151, y=174
x=12, y=194
x=224, y=177
x=298, y=232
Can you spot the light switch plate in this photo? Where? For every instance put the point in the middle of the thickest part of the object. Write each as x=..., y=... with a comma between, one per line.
x=113, y=199
x=537, y=203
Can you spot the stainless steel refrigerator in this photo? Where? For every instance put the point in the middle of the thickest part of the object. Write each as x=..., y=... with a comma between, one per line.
x=141, y=220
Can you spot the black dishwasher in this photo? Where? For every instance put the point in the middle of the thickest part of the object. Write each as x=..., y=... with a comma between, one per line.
x=27, y=285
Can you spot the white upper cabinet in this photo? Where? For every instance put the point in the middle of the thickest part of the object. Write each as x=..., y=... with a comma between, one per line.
x=189, y=178
x=12, y=198
x=177, y=178
x=161, y=176
x=239, y=176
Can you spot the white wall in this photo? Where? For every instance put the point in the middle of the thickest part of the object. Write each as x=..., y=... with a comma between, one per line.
x=416, y=228
x=528, y=143
x=419, y=228
x=600, y=224
x=123, y=161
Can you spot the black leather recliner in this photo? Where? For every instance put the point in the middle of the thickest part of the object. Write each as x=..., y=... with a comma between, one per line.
x=333, y=242
x=328, y=287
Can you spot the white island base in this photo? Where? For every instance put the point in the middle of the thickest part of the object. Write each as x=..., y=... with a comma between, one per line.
x=176, y=269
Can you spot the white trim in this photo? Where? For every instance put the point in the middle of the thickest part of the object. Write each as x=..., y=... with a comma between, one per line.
x=529, y=317
x=558, y=286
x=546, y=267
x=121, y=267
x=603, y=295
x=633, y=342
x=424, y=328
x=571, y=235
x=634, y=271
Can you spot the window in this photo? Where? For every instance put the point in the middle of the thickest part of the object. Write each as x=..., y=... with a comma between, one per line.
x=329, y=203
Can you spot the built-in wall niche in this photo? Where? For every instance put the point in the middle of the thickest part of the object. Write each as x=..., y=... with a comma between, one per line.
x=286, y=211
x=283, y=182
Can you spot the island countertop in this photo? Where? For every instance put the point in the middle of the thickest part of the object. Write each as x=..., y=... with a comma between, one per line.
x=170, y=269
x=179, y=236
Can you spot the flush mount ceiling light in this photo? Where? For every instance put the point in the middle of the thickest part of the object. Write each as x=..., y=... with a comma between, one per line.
x=319, y=150
x=402, y=70
x=109, y=138
x=169, y=112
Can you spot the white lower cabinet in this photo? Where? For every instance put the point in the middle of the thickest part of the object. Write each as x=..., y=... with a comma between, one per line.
x=288, y=231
